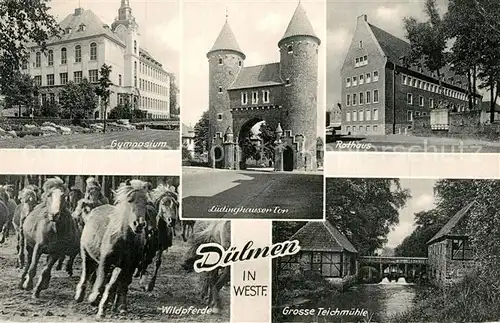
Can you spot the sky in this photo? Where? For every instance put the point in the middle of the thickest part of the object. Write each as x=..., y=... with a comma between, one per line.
x=258, y=25
x=159, y=24
x=422, y=199
x=341, y=24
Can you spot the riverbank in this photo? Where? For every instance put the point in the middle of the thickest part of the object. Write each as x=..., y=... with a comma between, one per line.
x=474, y=299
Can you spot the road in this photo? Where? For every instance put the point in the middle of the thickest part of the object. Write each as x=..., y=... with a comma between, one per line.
x=131, y=139
x=400, y=143
x=209, y=193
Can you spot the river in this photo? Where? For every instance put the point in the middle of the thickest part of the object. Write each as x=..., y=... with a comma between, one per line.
x=381, y=301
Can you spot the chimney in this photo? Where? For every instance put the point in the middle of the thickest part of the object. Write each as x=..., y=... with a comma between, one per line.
x=78, y=11
x=362, y=18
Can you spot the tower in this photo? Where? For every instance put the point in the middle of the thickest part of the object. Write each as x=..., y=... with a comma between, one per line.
x=225, y=60
x=299, y=70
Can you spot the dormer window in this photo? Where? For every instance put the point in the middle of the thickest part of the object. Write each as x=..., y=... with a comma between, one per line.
x=239, y=63
x=67, y=30
x=290, y=49
x=287, y=82
x=255, y=97
x=220, y=89
x=265, y=96
x=82, y=27
x=360, y=44
x=244, y=98
x=220, y=61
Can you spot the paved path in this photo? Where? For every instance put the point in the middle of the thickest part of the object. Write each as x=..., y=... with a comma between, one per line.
x=131, y=139
x=209, y=193
x=400, y=143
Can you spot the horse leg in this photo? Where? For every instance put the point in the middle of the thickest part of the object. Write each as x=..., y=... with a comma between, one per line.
x=152, y=282
x=4, y=232
x=29, y=251
x=22, y=248
x=60, y=262
x=99, y=281
x=222, y=280
x=18, y=251
x=43, y=281
x=184, y=238
x=88, y=268
x=112, y=281
x=35, y=257
x=69, y=265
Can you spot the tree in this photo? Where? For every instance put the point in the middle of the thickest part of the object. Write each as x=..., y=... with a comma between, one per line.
x=78, y=100
x=174, y=96
x=365, y=209
x=267, y=136
x=20, y=91
x=103, y=91
x=427, y=40
x=201, y=140
x=23, y=23
x=122, y=111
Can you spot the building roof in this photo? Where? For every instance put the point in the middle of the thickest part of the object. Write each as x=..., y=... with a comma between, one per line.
x=257, y=76
x=299, y=25
x=396, y=48
x=93, y=27
x=187, y=131
x=447, y=229
x=226, y=41
x=322, y=236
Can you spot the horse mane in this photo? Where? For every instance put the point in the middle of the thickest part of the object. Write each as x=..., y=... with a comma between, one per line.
x=211, y=234
x=25, y=192
x=51, y=184
x=92, y=181
x=161, y=191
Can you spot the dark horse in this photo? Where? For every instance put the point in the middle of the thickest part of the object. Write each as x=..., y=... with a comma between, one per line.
x=210, y=232
x=187, y=228
x=163, y=211
x=48, y=229
x=28, y=200
x=11, y=205
x=75, y=195
x=113, y=242
x=4, y=214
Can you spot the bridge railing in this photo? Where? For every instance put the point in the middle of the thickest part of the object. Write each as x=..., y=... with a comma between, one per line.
x=392, y=260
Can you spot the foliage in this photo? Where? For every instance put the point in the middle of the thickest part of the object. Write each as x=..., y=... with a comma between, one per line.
x=364, y=210
x=174, y=96
x=103, y=91
x=77, y=100
x=284, y=230
x=21, y=91
x=201, y=140
x=23, y=23
x=122, y=111
x=50, y=110
x=267, y=136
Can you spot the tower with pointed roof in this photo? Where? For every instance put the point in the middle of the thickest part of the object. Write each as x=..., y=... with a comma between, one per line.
x=281, y=93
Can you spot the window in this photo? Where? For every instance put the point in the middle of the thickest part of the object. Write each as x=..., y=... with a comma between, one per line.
x=365, y=60
x=431, y=103
x=348, y=100
x=220, y=89
x=77, y=77
x=219, y=116
x=220, y=61
x=50, y=58
x=354, y=81
x=38, y=80
x=375, y=76
x=82, y=27
x=255, y=97
x=78, y=54
x=119, y=80
x=421, y=101
x=417, y=113
x=287, y=82
x=361, y=115
x=347, y=116
x=93, y=76
x=403, y=79
x=356, y=62
x=63, y=77
x=361, y=98
x=410, y=115
x=265, y=96
x=93, y=52
x=360, y=44
x=354, y=115
x=244, y=98
x=375, y=114
x=368, y=77
x=375, y=128
x=409, y=98
x=414, y=82
x=64, y=56
x=375, y=96
x=419, y=84
x=368, y=97
x=52, y=98
x=135, y=46
x=368, y=115
x=50, y=79
x=290, y=49
x=354, y=99
x=348, y=82
x=135, y=81
x=361, y=79
x=426, y=86
x=239, y=63
x=38, y=59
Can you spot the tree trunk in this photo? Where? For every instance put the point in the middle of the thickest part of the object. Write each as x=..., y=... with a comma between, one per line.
x=469, y=88
x=105, y=117
x=492, y=103
x=474, y=85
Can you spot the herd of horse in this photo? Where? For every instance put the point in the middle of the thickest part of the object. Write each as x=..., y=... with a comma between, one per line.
x=116, y=242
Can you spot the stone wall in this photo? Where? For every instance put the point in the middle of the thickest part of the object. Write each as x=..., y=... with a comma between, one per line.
x=442, y=270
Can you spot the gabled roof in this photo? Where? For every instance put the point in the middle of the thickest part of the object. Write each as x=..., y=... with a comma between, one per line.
x=447, y=229
x=395, y=48
x=226, y=41
x=299, y=25
x=256, y=76
x=93, y=27
x=322, y=236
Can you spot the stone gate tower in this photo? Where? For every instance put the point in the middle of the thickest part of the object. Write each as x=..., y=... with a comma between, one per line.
x=299, y=70
x=225, y=61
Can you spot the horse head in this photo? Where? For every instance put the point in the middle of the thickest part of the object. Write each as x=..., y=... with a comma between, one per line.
x=134, y=194
x=29, y=197
x=4, y=197
x=75, y=194
x=168, y=209
x=10, y=190
x=54, y=192
x=36, y=189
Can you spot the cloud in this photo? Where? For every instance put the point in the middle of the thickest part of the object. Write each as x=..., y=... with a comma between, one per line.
x=423, y=202
x=338, y=40
x=388, y=14
x=167, y=35
x=272, y=23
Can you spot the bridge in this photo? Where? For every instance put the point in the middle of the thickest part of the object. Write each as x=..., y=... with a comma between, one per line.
x=392, y=267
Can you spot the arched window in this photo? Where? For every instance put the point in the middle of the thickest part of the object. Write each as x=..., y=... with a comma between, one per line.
x=135, y=68
x=135, y=46
x=93, y=51
x=38, y=59
x=50, y=58
x=78, y=54
x=64, y=55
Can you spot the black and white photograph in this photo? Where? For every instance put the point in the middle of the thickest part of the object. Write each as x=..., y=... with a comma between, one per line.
x=413, y=76
x=85, y=74
x=86, y=247
x=252, y=137
x=394, y=250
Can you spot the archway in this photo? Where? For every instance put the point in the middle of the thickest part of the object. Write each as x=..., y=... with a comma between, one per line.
x=288, y=159
x=249, y=142
x=96, y=115
x=218, y=157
